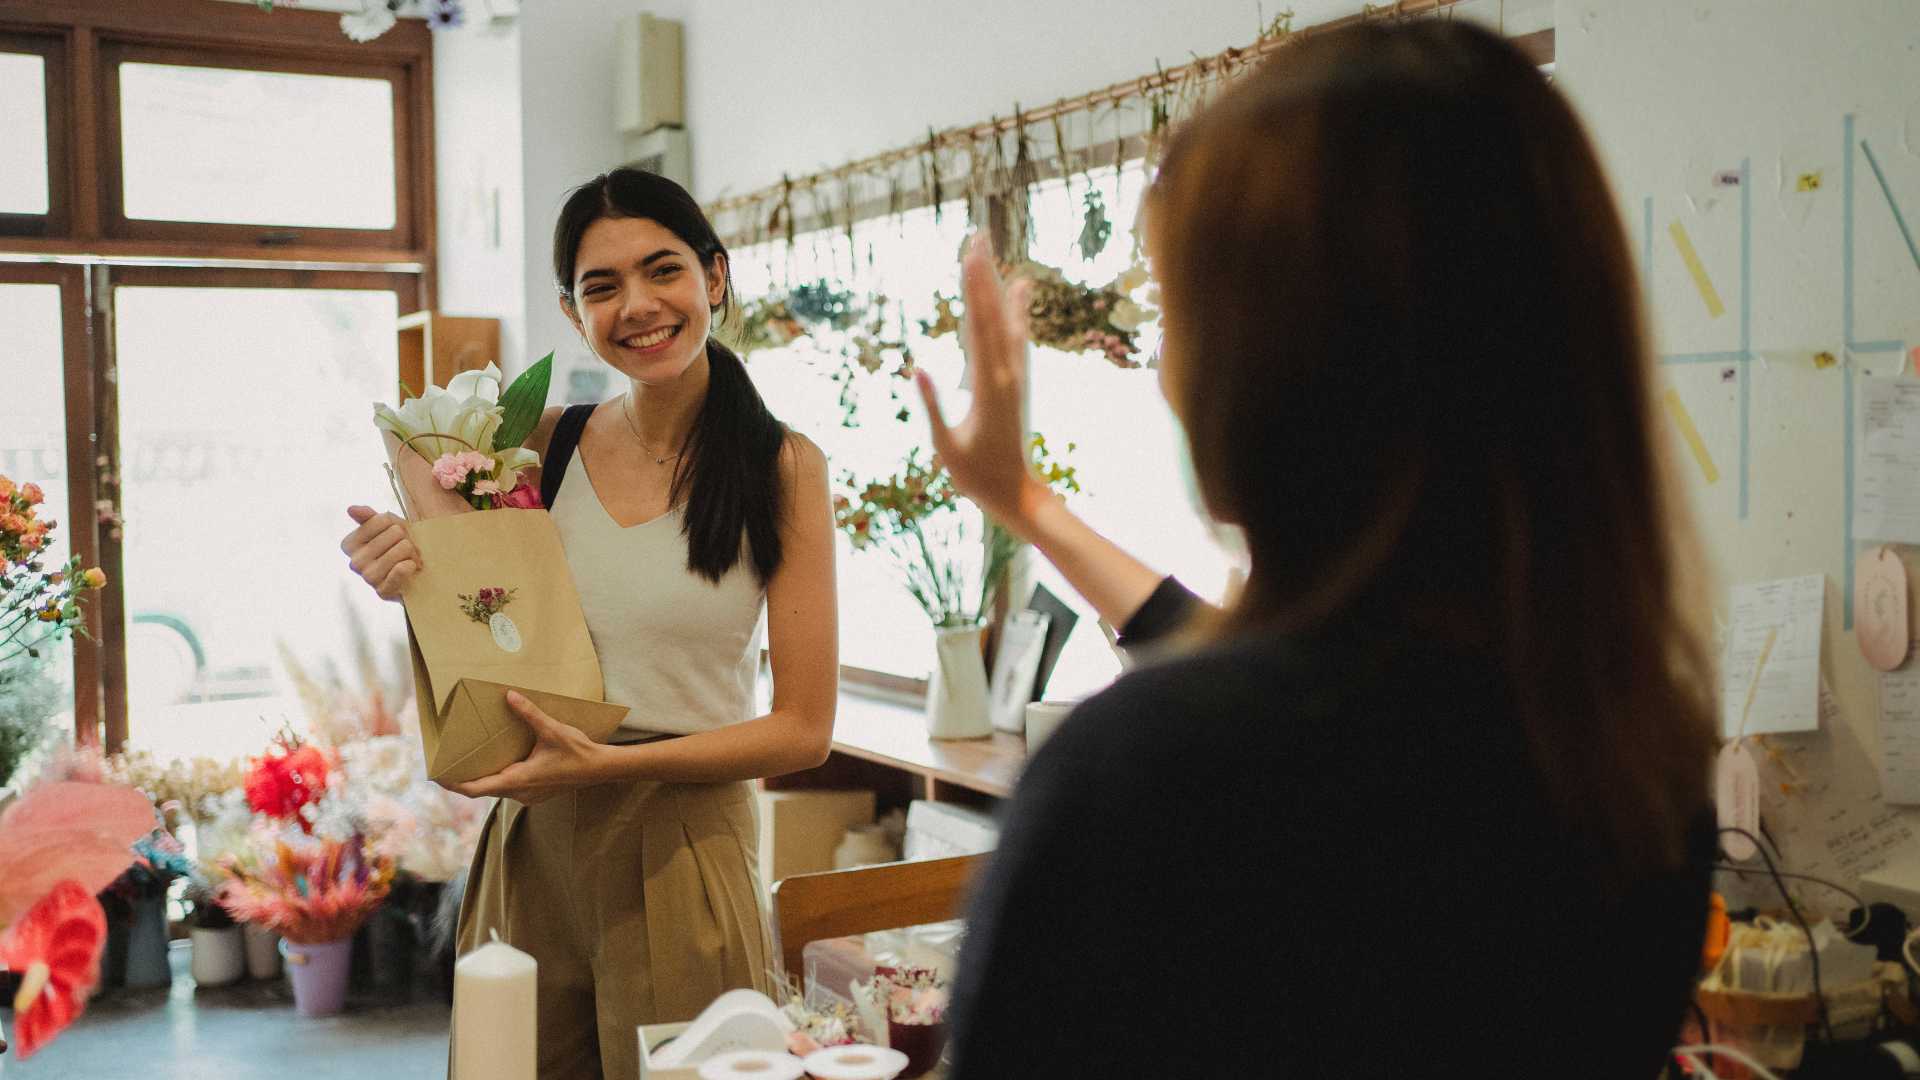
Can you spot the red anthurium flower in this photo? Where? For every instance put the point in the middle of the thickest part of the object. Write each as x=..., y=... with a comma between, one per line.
x=56, y=949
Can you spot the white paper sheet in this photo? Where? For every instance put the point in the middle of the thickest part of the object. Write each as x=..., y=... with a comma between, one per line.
x=1900, y=731
x=1822, y=806
x=1886, y=481
x=1780, y=621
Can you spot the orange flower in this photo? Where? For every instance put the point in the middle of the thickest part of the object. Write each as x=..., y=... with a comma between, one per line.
x=56, y=949
x=94, y=578
x=50, y=613
x=33, y=494
x=6, y=488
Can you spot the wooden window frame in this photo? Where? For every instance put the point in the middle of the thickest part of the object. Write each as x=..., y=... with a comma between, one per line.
x=81, y=524
x=114, y=223
x=52, y=49
x=91, y=37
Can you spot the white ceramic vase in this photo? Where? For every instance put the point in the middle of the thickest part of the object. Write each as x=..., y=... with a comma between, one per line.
x=219, y=956
x=957, y=692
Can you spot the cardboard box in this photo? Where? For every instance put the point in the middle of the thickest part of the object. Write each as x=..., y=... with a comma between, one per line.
x=800, y=828
x=938, y=830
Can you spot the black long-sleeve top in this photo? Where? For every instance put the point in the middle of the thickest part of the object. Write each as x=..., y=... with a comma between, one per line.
x=1309, y=857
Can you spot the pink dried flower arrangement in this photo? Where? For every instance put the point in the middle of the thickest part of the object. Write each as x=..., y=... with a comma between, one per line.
x=318, y=894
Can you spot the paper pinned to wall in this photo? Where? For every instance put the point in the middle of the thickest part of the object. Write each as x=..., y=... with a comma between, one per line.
x=1771, y=679
x=1886, y=484
x=1900, y=731
x=1821, y=801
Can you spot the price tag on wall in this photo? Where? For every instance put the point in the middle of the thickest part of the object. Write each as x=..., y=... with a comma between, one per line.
x=1736, y=786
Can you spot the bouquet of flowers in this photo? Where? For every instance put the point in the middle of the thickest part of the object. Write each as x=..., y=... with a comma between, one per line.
x=380, y=790
x=1071, y=317
x=493, y=607
x=177, y=786
x=284, y=783
x=471, y=433
x=310, y=892
x=910, y=1005
x=61, y=843
x=918, y=518
x=37, y=605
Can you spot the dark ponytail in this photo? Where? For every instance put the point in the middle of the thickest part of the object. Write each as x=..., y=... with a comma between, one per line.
x=728, y=476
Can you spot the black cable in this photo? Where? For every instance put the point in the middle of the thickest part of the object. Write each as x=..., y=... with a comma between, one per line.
x=1813, y=952
x=1841, y=889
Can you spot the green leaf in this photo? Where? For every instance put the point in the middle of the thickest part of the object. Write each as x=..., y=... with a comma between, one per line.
x=523, y=402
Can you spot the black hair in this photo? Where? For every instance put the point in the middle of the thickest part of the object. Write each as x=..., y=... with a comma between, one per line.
x=728, y=475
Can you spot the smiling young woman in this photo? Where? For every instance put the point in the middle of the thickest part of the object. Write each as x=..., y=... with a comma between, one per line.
x=686, y=510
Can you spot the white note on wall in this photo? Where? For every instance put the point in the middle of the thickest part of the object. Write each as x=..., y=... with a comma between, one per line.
x=1822, y=806
x=1777, y=622
x=1900, y=731
x=1886, y=481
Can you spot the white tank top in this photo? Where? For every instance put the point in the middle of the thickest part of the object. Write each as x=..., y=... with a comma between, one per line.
x=680, y=651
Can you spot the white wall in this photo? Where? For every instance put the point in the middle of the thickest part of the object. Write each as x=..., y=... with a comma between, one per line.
x=778, y=87
x=481, y=209
x=1674, y=92
x=774, y=86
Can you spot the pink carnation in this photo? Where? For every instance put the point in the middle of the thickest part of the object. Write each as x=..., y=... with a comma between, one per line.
x=452, y=470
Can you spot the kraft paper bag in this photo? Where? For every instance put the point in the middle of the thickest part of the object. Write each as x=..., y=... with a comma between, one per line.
x=493, y=608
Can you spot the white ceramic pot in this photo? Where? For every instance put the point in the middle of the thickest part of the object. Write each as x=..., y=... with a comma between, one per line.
x=263, y=952
x=219, y=956
x=957, y=692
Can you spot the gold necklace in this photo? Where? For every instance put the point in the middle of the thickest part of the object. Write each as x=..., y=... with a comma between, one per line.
x=625, y=403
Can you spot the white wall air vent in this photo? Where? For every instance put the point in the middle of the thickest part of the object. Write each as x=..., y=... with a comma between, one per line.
x=647, y=86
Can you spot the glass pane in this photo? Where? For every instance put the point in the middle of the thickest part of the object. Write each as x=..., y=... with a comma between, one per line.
x=246, y=430
x=256, y=147
x=905, y=260
x=33, y=441
x=23, y=119
x=1127, y=443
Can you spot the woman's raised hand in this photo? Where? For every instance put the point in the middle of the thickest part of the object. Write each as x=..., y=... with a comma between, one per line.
x=986, y=451
x=380, y=551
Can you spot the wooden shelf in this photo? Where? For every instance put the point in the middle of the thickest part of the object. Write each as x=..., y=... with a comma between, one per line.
x=435, y=347
x=884, y=744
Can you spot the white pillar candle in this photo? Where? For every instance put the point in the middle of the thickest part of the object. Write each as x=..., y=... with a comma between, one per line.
x=494, y=1009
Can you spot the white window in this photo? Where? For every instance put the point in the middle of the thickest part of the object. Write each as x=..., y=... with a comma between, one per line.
x=1125, y=442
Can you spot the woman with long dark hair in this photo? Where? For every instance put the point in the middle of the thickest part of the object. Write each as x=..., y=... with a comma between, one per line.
x=686, y=510
x=1433, y=787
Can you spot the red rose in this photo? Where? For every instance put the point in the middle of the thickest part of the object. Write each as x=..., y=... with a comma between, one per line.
x=524, y=497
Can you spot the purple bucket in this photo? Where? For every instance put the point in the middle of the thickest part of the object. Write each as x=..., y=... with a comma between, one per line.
x=319, y=974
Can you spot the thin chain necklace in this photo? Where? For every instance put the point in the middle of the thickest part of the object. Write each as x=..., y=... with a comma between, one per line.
x=658, y=459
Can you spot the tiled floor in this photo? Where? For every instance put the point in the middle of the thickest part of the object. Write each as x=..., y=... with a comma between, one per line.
x=246, y=1032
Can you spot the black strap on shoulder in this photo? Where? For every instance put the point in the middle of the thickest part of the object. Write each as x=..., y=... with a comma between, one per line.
x=566, y=437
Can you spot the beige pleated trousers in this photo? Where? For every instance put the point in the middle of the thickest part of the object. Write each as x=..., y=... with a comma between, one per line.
x=641, y=903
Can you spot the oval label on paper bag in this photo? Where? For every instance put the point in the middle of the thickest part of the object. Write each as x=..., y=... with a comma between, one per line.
x=505, y=634
x=1880, y=608
x=1736, y=790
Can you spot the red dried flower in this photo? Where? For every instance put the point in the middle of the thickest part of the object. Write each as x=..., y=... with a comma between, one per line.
x=280, y=784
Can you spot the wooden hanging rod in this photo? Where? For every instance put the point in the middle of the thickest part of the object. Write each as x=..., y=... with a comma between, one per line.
x=1140, y=87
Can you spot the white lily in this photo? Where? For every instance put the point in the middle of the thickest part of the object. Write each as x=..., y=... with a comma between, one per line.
x=512, y=462
x=1128, y=316
x=467, y=413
